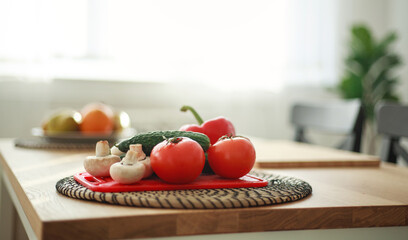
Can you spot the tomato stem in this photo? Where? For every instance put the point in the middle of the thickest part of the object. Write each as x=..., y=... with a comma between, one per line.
x=185, y=108
x=226, y=136
x=174, y=140
x=231, y=136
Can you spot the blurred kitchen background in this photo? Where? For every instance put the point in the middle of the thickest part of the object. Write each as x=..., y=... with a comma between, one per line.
x=246, y=60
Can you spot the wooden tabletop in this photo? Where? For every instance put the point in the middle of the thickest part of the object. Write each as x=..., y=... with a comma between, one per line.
x=343, y=197
x=287, y=154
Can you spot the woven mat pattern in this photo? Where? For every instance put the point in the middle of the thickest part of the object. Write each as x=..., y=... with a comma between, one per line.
x=280, y=189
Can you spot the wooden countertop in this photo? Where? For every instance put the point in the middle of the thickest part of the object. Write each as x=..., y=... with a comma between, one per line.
x=343, y=197
x=287, y=154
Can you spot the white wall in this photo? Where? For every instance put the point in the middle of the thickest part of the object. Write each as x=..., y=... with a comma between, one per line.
x=398, y=20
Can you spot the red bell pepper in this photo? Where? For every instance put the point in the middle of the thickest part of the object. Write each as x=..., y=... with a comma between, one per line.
x=213, y=128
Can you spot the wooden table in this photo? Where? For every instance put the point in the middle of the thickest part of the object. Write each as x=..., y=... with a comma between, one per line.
x=287, y=154
x=343, y=197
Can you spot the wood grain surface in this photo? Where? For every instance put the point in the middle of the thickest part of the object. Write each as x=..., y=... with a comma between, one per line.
x=345, y=197
x=287, y=154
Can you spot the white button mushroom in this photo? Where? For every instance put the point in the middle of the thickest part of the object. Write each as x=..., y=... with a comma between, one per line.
x=141, y=157
x=100, y=164
x=129, y=170
x=115, y=151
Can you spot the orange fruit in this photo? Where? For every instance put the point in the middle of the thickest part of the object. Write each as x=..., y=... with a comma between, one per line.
x=97, y=118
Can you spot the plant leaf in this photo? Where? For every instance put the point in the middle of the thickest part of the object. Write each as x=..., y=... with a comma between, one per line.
x=369, y=68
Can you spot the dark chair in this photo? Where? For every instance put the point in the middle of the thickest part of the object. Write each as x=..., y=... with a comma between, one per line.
x=392, y=125
x=340, y=117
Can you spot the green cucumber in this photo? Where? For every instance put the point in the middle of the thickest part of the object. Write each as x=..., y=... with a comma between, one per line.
x=151, y=139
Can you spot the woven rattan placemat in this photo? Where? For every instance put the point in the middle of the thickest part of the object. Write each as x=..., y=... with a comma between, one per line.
x=280, y=189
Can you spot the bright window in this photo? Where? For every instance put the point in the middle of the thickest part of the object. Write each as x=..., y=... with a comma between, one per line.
x=228, y=43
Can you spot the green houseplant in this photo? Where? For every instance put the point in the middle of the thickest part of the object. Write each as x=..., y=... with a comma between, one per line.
x=369, y=73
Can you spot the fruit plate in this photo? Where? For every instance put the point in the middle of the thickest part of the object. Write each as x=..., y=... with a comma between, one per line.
x=106, y=184
x=80, y=137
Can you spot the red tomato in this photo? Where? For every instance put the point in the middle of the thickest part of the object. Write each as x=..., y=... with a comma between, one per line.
x=232, y=157
x=177, y=160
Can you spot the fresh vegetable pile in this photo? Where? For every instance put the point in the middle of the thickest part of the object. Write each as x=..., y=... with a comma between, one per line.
x=176, y=157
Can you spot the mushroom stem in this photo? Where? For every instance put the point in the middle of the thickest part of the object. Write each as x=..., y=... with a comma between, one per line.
x=140, y=155
x=102, y=149
x=115, y=151
x=130, y=158
x=142, y=158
